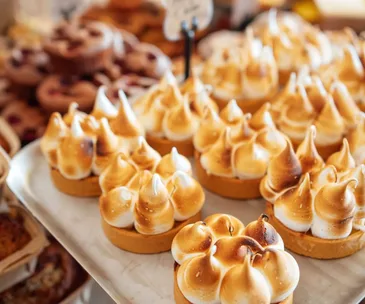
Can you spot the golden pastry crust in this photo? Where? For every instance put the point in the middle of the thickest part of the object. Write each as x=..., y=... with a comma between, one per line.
x=228, y=187
x=131, y=240
x=180, y=299
x=307, y=245
x=86, y=187
x=164, y=145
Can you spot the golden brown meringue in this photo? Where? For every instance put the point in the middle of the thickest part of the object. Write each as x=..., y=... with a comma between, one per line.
x=271, y=139
x=125, y=124
x=334, y=208
x=144, y=157
x=294, y=208
x=356, y=140
x=232, y=114
x=284, y=169
x=262, y=118
x=209, y=131
x=183, y=188
x=71, y=113
x=359, y=174
x=324, y=176
x=103, y=106
x=307, y=152
x=173, y=162
x=342, y=159
x=56, y=129
x=224, y=225
x=75, y=153
x=118, y=173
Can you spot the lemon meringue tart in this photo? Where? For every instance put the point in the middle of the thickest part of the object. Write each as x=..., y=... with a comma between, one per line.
x=247, y=74
x=232, y=150
x=222, y=261
x=317, y=207
x=294, y=41
x=170, y=114
x=147, y=199
x=78, y=146
x=305, y=102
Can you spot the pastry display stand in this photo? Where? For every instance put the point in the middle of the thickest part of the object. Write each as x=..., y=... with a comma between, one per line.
x=136, y=278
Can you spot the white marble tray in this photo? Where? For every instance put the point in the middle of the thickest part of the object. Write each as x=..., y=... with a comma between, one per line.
x=133, y=278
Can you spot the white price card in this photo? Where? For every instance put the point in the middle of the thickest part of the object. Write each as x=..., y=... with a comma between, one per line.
x=178, y=11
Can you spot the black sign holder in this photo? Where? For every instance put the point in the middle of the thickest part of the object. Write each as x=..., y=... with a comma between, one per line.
x=189, y=36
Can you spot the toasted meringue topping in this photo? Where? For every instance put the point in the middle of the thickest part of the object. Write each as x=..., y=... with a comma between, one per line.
x=249, y=160
x=244, y=284
x=153, y=212
x=264, y=233
x=56, y=129
x=75, y=153
x=242, y=133
x=107, y=146
x=271, y=139
x=281, y=272
x=330, y=125
x=193, y=84
x=172, y=97
x=342, y=159
x=72, y=112
x=232, y=114
x=118, y=173
x=180, y=123
x=209, y=131
x=322, y=177
x=218, y=159
x=356, y=139
x=284, y=169
x=224, y=225
x=173, y=162
x=125, y=124
x=139, y=179
x=144, y=156
x=334, y=207
x=294, y=208
x=103, y=106
x=308, y=154
x=359, y=174
x=191, y=241
x=220, y=265
x=116, y=207
x=262, y=118
x=183, y=188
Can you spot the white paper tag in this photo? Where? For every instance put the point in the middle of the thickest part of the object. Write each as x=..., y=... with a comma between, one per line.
x=178, y=11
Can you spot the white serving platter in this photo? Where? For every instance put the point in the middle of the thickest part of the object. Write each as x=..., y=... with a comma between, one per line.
x=134, y=278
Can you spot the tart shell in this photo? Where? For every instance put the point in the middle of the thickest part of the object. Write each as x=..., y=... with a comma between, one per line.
x=180, y=299
x=164, y=146
x=227, y=187
x=86, y=187
x=131, y=240
x=310, y=246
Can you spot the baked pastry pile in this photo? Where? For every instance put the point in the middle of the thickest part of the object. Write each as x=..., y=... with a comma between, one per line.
x=222, y=261
x=79, y=146
x=171, y=115
x=317, y=206
x=233, y=149
x=147, y=199
x=305, y=102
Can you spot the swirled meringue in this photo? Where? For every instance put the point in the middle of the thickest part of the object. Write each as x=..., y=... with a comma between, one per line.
x=356, y=139
x=334, y=207
x=180, y=123
x=71, y=113
x=262, y=118
x=103, y=106
x=144, y=157
x=232, y=114
x=75, y=153
x=173, y=162
x=324, y=176
x=118, y=173
x=116, y=207
x=359, y=174
x=209, y=131
x=307, y=152
x=183, y=188
x=56, y=130
x=153, y=211
x=342, y=159
x=294, y=208
x=271, y=140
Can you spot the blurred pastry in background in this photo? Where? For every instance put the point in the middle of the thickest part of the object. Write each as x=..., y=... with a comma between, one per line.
x=7, y=93
x=178, y=64
x=27, y=121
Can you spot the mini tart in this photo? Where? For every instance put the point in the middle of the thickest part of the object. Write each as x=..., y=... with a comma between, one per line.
x=219, y=260
x=86, y=187
x=180, y=299
x=308, y=245
x=132, y=241
x=164, y=145
x=227, y=187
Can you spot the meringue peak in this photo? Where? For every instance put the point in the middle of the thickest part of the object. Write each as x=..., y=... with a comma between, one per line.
x=342, y=159
x=76, y=129
x=262, y=118
x=232, y=113
x=144, y=156
x=103, y=106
